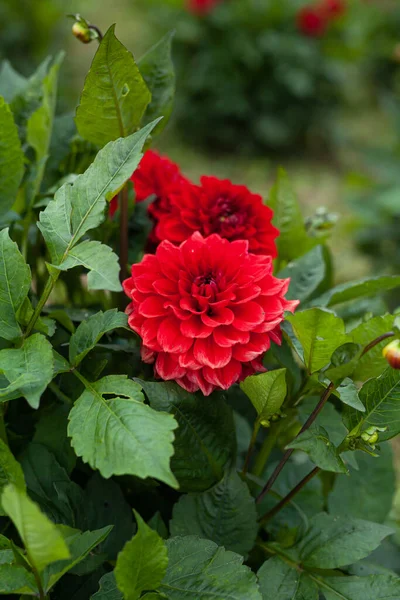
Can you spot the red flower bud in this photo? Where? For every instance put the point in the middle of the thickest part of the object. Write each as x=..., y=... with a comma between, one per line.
x=392, y=354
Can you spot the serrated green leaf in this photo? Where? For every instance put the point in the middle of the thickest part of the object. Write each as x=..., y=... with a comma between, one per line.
x=79, y=207
x=142, y=563
x=157, y=69
x=79, y=545
x=280, y=581
x=42, y=540
x=372, y=363
x=34, y=359
x=381, y=398
x=205, y=441
x=225, y=514
x=39, y=128
x=121, y=435
x=373, y=481
x=11, y=159
x=332, y=541
x=320, y=332
x=316, y=443
x=353, y=290
x=306, y=274
x=11, y=82
x=114, y=96
x=101, y=262
x=91, y=331
x=293, y=240
x=15, y=579
x=266, y=392
x=10, y=470
x=374, y=587
x=108, y=589
x=198, y=568
x=348, y=394
x=15, y=281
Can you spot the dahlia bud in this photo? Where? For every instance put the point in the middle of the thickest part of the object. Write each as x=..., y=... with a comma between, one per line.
x=371, y=435
x=391, y=353
x=82, y=32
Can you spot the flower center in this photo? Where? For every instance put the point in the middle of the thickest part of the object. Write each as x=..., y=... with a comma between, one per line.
x=228, y=215
x=205, y=286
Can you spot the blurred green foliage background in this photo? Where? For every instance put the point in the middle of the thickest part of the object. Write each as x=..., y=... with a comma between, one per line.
x=255, y=91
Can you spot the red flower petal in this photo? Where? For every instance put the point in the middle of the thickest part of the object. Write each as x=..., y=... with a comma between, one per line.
x=209, y=354
x=152, y=306
x=170, y=338
x=195, y=328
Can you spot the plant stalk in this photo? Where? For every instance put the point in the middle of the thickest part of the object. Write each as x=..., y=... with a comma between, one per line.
x=123, y=232
x=266, y=449
x=59, y=394
x=43, y=299
x=250, y=450
x=3, y=431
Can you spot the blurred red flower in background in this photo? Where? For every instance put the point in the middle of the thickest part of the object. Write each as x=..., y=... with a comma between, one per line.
x=206, y=311
x=334, y=8
x=313, y=20
x=202, y=7
x=219, y=206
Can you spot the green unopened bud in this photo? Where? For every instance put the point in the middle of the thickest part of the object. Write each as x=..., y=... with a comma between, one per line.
x=370, y=438
x=82, y=32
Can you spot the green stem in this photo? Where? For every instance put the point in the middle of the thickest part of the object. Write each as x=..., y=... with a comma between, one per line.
x=43, y=299
x=123, y=232
x=253, y=440
x=3, y=431
x=59, y=394
x=266, y=450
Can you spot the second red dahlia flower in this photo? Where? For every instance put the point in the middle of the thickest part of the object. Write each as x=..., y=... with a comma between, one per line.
x=219, y=206
x=206, y=311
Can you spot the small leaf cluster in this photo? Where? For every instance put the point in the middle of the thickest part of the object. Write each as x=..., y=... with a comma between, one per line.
x=113, y=485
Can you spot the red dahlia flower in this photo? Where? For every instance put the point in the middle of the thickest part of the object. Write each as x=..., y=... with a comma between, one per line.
x=333, y=8
x=219, y=206
x=206, y=311
x=312, y=21
x=202, y=7
x=155, y=176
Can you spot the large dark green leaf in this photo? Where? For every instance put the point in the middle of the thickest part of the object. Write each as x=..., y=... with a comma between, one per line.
x=51, y=431
x=373, y=481
x=114, y=96
x=11, y=159
x=205, y=440
x=108, y=589
x=333, y=541
x=225, y=514
x=374, y=587
x=316, y=443
x=381, y=398
x=90, y=331
x=306, y=274
x=15, y=579
x=142, y=563
x=115, y=432
x=353, y=290
x=15, y=281
x=280, y=581
x=198, y=568
x=157, y=69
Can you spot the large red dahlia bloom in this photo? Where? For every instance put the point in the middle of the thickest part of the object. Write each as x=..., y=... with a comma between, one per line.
x=219, y=206
x=206, y=311
x=202, y=7
x=312, y=21
x=155, y=176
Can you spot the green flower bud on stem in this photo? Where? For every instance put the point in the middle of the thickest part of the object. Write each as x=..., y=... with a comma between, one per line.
x=82, y=32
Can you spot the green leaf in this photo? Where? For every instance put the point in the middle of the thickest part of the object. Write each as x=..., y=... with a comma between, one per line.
x=114, y=96
x=374, y=482
x=10, y=470
x=266, y=392
x=316, y=443
x=51, y=432
x=108, y=589
x=198, y=568
x=33, y=359
x=80, y=545
x=293, y=240
x=372, y=363
x=101, y=262
x=15, y=579
x=280, y=581
x=353, y=290
x=332, y=541
x=306, y=274
x=119, y=434
x=43, y=542
x=374, y=587
x=142, y=563
x=157, y=69
x=15, y=281
x=11, y=82
x=225, y=514
x=91, y=331
x=348, y=394
x=39, y=128
x=11, y=159
x=205, y=441
x=79, y=207
x=381, y=398
x=320, y=332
